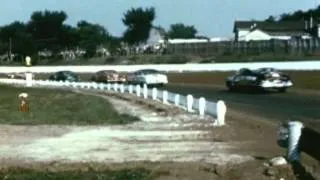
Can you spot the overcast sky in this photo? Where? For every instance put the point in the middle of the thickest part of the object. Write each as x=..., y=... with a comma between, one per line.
x=211, y=17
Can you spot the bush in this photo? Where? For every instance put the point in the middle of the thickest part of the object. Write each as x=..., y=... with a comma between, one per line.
x=110, y=59
x=178, y=59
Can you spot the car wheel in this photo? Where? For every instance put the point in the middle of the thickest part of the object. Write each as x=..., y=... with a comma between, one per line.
x=160, y=85
x=230, y=87
x=282, y=90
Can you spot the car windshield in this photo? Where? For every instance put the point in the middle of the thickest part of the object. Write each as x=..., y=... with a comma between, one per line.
x=264, y=70
x=149, y=71
x=68, y=73
x=108, y=71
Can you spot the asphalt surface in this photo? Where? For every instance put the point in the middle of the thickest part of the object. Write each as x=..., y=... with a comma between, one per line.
x=279, y=107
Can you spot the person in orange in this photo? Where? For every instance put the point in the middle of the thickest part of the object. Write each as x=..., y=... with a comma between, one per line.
x=24, y=105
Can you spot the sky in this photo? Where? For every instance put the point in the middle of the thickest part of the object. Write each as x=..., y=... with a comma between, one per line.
x=212, y=18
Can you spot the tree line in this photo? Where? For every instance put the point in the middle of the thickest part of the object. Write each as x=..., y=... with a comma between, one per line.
x=47, y=31
x=296, y=15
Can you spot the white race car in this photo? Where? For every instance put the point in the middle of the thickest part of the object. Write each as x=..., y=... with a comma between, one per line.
x=148, y=77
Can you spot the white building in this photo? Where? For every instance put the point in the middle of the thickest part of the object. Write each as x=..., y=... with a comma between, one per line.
x=259, y=30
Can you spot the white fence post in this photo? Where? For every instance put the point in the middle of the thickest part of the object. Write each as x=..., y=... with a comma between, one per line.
x=202, y=106
x=145, y=91
x=109, y=87
x=130, y=89
x=60, y=83
x=115, y=87
x=74, y=84
x=90, y=85
x=154, y=93
x=82, y=85
x=29, y=79
x=95, y=86
x=294, y=130
x=138, y=90
x=165, y=97
x=101, y=86
x=67, y=83
x=221, y=112
x=122, y=88
x=189, y=102
x=177, y=99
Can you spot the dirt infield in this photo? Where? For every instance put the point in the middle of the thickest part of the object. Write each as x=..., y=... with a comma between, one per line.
x=170, y=143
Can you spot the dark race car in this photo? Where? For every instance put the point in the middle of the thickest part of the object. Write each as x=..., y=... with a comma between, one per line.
x=64, y=76
x=260, y=79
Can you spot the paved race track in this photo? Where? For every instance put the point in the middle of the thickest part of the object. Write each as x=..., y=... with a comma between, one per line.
x=294, y=104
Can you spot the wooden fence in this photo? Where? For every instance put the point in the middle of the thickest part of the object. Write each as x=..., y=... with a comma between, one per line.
x=276, y=47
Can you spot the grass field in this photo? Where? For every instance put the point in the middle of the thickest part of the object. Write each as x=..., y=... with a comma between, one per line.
x=63, y=108
x=57, y=107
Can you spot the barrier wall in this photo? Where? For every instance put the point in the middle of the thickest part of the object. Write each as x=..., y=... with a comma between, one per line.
x=290, y=65
x=189, y=103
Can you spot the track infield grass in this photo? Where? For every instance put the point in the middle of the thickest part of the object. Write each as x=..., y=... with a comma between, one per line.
x=52, y=106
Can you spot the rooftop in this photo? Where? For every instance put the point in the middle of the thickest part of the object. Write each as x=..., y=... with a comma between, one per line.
x=271, y=26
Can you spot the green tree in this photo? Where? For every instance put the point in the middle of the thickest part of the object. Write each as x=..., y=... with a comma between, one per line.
x=69, y=37
x=181, y=31
x=91, y=36
x=17, y=37
x=298, y=15
x=271, y=19
x=46, y=28
x=139, y=23
x=113, y=43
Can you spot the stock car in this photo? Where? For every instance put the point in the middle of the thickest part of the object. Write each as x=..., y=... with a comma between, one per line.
x=150, y=77
x=64, y=76
x=106, y=76
x=259, y=79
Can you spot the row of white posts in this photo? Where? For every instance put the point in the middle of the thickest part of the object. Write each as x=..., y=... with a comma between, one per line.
x=144, y=92
x=219, y=109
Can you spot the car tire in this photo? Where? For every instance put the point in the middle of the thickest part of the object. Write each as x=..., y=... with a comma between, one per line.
x=282, y=90
x=230, y=87
x=161, y=85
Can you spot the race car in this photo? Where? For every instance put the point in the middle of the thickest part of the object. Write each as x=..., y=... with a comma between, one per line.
x=108, y=76
x=65, y=76
x=149, y=77
x=259, y=79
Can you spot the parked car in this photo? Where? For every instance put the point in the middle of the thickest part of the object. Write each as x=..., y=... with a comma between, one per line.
x=148, y=76
x=262, y=78
x=108, y=76
x=64, y=76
